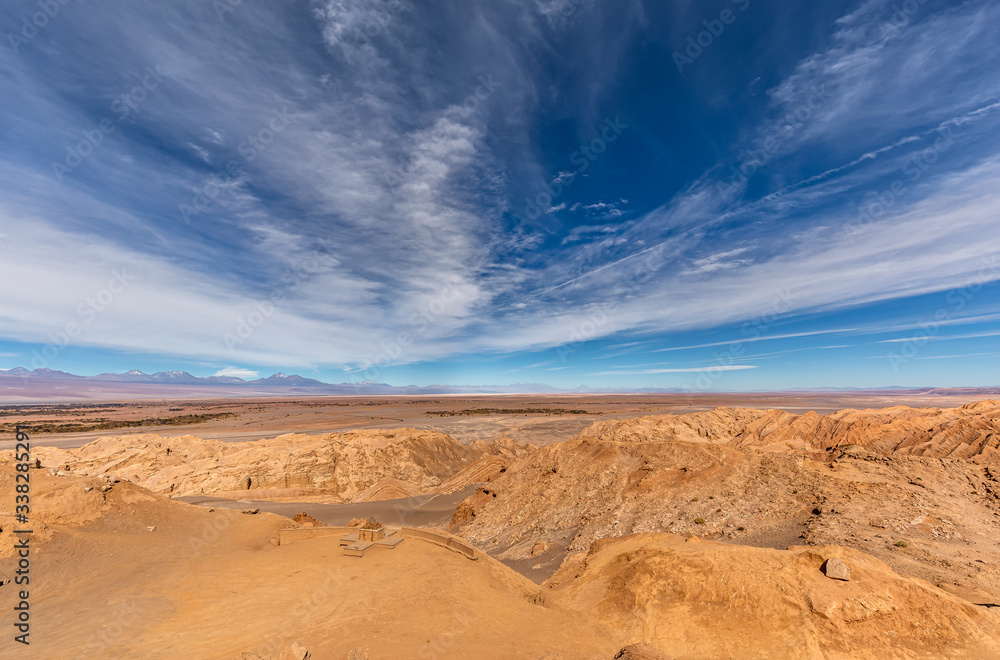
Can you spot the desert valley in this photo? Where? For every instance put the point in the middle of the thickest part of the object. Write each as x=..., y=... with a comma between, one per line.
x=521, y=330
x=536, y=527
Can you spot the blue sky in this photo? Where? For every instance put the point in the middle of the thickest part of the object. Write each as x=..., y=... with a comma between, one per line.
x=728, y=195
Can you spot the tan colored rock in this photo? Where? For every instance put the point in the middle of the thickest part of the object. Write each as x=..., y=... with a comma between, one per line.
x=665, y=473
x=835, y=569
x=464, y=513
x=714, y=600
x=641, y=652
x=295, y=652
x=539, y=548
x=306, y=520
x=362, y=465
x=696, y=599
x=971, y=430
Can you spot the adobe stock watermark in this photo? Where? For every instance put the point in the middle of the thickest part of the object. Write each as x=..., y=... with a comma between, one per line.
x=608, y=132
x=116, y=627
x=697, y=44
x=329, y=595
x=86, y=312
x=772, y=143
x=255, y=143
x=264, y=309
x=956, y=300
x=419, y=322
x=432, y=650
x=900, y=18
x=877, y=204
x=325, y=591
x=30, y=28
x=373, y=24
x=123, y=106
x=223, y=7
x=483, y=91
x=567, y=8
x=599, y=315
x=752, y=330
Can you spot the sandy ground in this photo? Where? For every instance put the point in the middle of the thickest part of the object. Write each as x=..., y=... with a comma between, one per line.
x=255, y=419
x=124, y=573
x=212, y=585
x=423, y=511
x=128, y=574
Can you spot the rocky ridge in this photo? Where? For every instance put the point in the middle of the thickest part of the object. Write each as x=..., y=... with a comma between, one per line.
x=361, y=465
x=757, y=478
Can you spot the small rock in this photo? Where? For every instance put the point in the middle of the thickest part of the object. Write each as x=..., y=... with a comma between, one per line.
x=251, y=511
x=151, y=528
x=306, y=520
x=641, y=652
x=539, y=548
x=105, y=488
x=836, y=569
x=295, y=652
x=824, y=604
x=87, y=489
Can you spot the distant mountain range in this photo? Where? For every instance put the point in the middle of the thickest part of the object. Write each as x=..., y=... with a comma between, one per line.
x=277, y=383
x=21, y=384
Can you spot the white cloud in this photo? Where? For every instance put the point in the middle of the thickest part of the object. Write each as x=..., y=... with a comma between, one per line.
x=245, y=374
x=932, y=244
x=691, y=370
x=718, y=261
x=202, y=153
x=954, y=357
x=931, y=337
x=401, y=193
x=877, y=79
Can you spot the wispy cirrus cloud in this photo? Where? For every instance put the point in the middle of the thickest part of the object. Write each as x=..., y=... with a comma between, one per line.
x=385, y=207
x=689, y=370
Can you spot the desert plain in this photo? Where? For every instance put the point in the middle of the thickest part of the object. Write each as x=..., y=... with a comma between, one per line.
x=533, y=526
